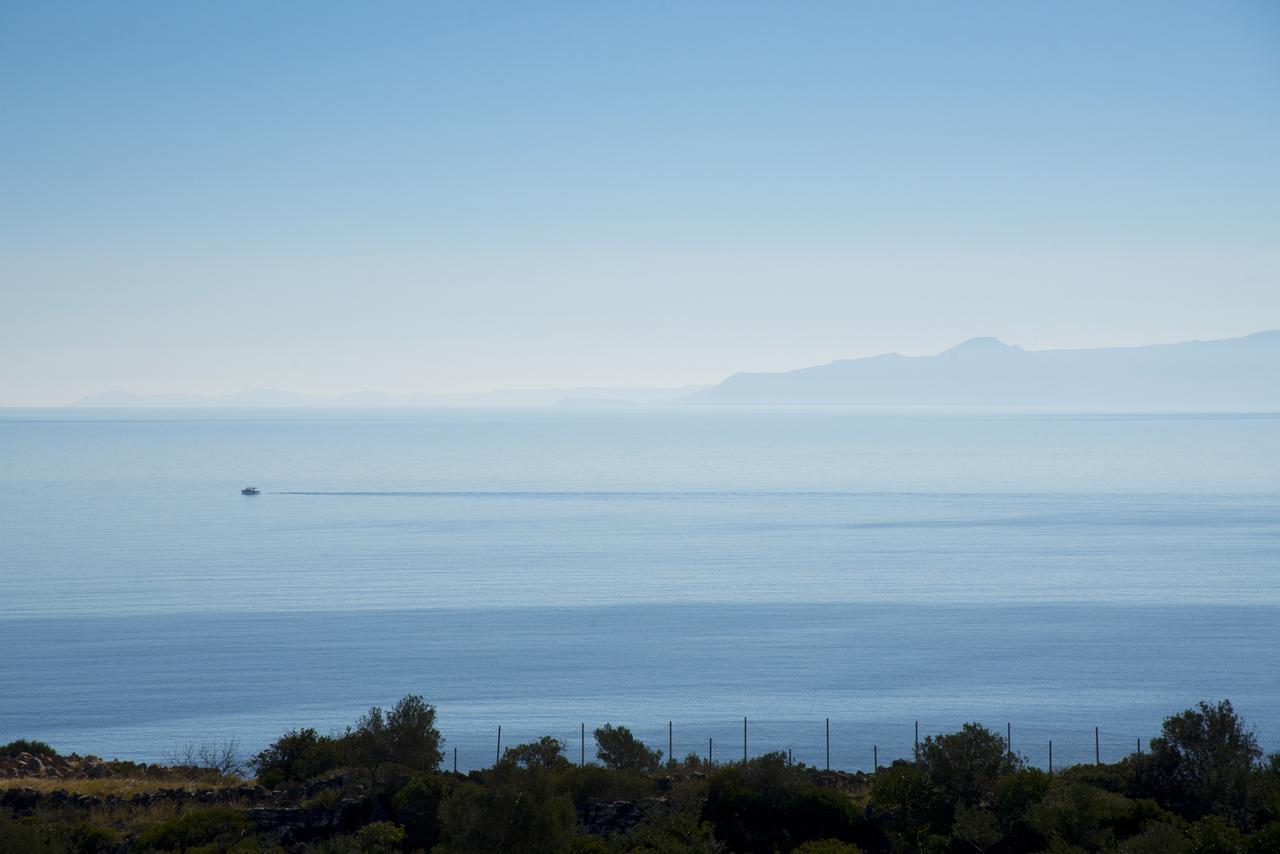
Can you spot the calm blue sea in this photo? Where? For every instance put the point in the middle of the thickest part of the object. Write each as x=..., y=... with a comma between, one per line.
x=540, y=569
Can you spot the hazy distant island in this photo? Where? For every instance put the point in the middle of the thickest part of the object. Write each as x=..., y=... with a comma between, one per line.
x=978, y=372
x=985, y=371
x=274, y=398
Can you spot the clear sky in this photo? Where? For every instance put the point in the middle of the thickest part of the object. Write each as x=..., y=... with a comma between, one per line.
x=455, y=196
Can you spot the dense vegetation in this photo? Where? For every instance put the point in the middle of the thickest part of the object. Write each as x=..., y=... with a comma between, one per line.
x=1204, y=788
x=24, y=745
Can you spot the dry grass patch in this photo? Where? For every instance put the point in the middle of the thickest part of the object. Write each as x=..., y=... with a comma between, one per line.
x=121, y=787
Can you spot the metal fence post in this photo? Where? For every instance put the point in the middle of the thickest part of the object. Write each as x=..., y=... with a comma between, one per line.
x=1097, y=750
x=744, y=741
x=828, y=744
x=498, y=756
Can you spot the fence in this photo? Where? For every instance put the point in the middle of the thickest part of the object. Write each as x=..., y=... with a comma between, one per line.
x=823, y=743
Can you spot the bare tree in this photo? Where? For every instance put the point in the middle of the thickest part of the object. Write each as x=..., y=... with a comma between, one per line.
x=222, y=758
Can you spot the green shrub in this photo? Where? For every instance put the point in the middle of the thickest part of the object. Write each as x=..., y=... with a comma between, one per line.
x=380, y=837
x=1074, y=814
x=1202, y=762
x=1144, y=813
x=814, y=813
x=827, y=846
x=905, y=802
x=417, y=807
x=86, y=838
x=1264, y=841
x=517, y=810
x=295, y=757
x=406, y=735
x=1119, y=777
x=1158, y=838
x=23, y=745
x=326, y=799
x=1215, y=835
x=976, y=828
x=618, y=748
x=212, y=826
x=40, y=835
x=584, y=782
x=546, y=752
x=768, y=804
x=28, y=836
x=1014, y=795
x=672, y=833
x=966, y=765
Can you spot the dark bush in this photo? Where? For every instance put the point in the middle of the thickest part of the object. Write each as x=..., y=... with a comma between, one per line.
x=618, y=748
x=1202, y=762
x=1120, y=778
x=379, y=837
x=1075, y=814
x=908, y=807
x=1213, y=834
x=417, y=807
x=295, y=757
x=516, y=810
x=964, y=766
x=814, y=813
x=1264, y=841
x=1014, y=795
x=215, y=825
x=28, y=836
x=768, y=804
x=24, y=745
x=675, y=833
x=828, y=846
x=405, y=735
x=546, y=752
x=593, y=781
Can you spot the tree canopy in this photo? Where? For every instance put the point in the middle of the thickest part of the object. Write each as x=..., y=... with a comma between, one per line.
x=618, y=748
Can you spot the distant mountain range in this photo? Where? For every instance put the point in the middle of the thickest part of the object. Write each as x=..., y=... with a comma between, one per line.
x=984, y=371
x=274, y=399
x=980, y=372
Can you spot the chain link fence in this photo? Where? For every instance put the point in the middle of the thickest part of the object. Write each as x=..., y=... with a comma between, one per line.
x=820, y=743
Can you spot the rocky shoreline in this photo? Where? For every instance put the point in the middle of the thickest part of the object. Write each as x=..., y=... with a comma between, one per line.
x=72, y=767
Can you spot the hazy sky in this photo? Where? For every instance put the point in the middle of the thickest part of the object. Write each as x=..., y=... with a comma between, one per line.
x=452, y=196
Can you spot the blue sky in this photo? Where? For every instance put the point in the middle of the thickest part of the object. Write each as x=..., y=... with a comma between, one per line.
x=463, y=196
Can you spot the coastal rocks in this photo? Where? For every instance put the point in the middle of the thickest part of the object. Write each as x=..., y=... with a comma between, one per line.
x=604, y=819
x=292, y=825
x=73, y=767
x=21, y=801
x=850, y=783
